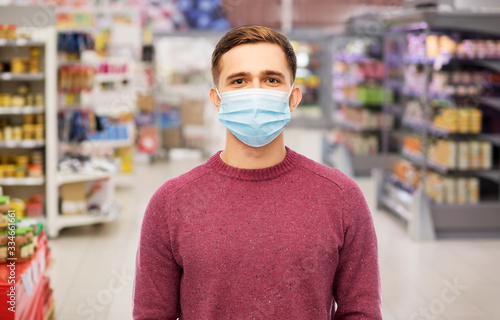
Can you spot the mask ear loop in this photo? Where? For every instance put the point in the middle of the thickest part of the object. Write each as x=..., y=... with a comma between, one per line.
x=218, y=94
x=291, y=90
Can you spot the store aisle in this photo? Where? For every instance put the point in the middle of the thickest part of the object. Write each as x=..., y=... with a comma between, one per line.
x=449, y=279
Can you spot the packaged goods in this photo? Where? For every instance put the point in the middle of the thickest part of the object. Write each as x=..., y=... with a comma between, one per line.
x=21, y=248
x=8, y=31
x=35, y=171
x=449, y=191
x=18, y=65
x=461, y=190
x=19, y=206
x=4, y=207
x=434, y=187
x=474, y=154
x=445, y=153
x=463, y=155
x=486, y=155
x=475, y=121
x=3, y=246
x=473, y=190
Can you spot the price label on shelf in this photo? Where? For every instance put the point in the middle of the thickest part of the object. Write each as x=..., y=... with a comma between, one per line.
x=34, y=267
x=6, y=76
x=41, y=262
x=27, y=280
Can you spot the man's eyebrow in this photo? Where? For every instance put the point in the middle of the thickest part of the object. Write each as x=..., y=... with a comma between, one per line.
x=237, y=75
x=273, y=73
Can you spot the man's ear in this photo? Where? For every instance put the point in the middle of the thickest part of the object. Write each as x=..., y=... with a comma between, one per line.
x=214, y=97
x=295, y=98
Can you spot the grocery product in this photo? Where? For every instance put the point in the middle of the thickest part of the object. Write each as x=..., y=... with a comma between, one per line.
x=461, y=185
x=473, y=190
x=8, y=31
x=3, y=246
x=18, y=167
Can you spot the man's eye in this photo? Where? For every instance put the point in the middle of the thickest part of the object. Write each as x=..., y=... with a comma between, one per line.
x=239, y=81
x=272, y=80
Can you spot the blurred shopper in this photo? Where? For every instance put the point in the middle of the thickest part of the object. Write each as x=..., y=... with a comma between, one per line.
x=258, y=231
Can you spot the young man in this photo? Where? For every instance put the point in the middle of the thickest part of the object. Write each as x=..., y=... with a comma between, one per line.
x=258, y=231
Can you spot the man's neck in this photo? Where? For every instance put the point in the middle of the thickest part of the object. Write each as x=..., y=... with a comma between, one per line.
x=239, y=155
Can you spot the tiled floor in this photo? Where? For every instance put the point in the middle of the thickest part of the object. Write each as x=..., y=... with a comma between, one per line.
x=447, y=279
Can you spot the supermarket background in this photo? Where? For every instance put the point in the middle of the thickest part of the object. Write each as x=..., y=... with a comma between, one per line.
x=103, y=101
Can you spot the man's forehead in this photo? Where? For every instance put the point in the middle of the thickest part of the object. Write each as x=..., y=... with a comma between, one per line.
x=254, y=58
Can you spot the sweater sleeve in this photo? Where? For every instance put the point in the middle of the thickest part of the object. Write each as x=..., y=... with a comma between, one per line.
x=157, y=274
x=356, y=287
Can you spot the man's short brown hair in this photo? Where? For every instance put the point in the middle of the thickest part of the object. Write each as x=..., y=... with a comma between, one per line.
x=252, y=34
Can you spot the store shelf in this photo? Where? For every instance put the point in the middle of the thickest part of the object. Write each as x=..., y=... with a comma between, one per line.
x=421, y=161
x=112, y=77
x=396, y=84
x=352, y=58
x=431, y=220
x=25, y=144
x=493, y=102
x=357, y=104
x=22, y=181
x=471, y=21
x=64, y=178
x=492, y=174
x=466, y=217
x=417, y=60
x=111, y=143
x=20, y=43
x=401, y=184
x=443, y=133
x=112, y=214
x=493, y=138
x=395, y=207
x=8, y=76
x=344, y=124
x=415, y=125
x=112, y=111
x=21, y=110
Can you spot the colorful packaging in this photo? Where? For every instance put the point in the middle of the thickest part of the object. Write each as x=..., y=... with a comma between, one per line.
x=449, y=191
x=473, y=190
x=463, y=155
x=486, y=155
x=462, y=190
x=474, y=158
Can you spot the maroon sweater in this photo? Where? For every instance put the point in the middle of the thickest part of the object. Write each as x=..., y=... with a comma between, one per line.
x=283, y=242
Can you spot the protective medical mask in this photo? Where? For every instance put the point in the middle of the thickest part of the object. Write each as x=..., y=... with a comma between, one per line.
x=255, y=116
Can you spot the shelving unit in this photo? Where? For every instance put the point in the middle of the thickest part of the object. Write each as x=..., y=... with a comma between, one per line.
x=449, y=181
x=43, y=82
x=21, y=110
x=30, y=284
x=180, y=94
x=108, y=210
x=8, y=76
x=358, y=97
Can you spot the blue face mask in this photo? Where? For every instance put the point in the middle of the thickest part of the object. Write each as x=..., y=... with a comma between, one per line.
x=255, y=116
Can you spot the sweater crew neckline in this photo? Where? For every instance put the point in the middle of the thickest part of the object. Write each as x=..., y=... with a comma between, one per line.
x=291, y=158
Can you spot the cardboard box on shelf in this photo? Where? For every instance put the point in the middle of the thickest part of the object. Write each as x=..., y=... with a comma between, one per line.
x=192, y=111
x=145, y=103
x=172, y=138
x=74, y=200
